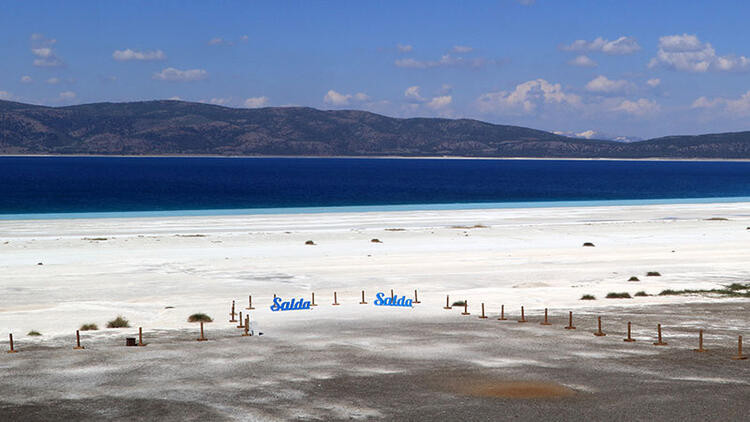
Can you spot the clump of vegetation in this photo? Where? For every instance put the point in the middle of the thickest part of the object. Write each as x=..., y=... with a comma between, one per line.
x=653, y=274
x=34, y=333
x=634, y=278
x=89, y=327
x=375, y=241
x=588, y=244
x=190, y=235
x=641, y=294
x=459, y=303
x=717, y=219
x=118, y=322
x=732, y=290
x=401, y=230
x=613, y=295
x=200, y=317
x=588, y=297
x=309, y=242
x=475, y=226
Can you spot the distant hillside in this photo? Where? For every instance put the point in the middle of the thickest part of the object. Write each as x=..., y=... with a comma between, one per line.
x=177, y=127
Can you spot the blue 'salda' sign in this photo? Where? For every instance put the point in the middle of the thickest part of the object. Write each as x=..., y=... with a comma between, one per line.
x=278, y=305
x=392, y=301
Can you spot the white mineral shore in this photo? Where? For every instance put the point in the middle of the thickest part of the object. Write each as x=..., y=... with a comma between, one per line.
x=157, y=271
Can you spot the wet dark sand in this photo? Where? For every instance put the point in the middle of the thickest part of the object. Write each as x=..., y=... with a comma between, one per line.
x=459, y=368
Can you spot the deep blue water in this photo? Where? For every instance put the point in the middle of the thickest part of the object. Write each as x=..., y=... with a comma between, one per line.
x=38, y=185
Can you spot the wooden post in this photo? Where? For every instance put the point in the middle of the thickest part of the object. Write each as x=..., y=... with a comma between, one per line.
x=483, y=316
x=466, y=308
x=247, y=326
x=546, y=321
x=523, y=317
x=202, y=338
x=629, y=339
x=700, y=348
x=335, y=300
x=447, y=302
x=416, y=298
x=659, y=342
x=313, y=300
x=12, y=350
x=241, y=321
x=78, y=341
x=739, y=356
x=570, y=322
x=599, y=332
x=250, y=303
x=363, y=302
x=232, y=314
x=502, y=313
x=140, y=337
x=391, y=294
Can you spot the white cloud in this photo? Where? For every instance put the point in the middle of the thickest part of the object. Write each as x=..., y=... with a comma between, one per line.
x=177, y=75
x=736, y=107
x=654, y=82
x=53, y=81
x=41, y=48
x=446, y=89
x=412, y=93
x=175, y=98
x=582, y=61
x=67, y=95
x=444, y=61
x=244, y=38
x=462, y=49
x=218, y=101
x=526, y=97
x=130, y=55
x=640, y=107
x=5, y=95
x=26, y=79
x=404, y=48
x=256, y=102
x=622, y=45
x=361, y=96
x=216, y=41
x=440, y=102
x=338, y=99
x=689, y=54
x=604, y=85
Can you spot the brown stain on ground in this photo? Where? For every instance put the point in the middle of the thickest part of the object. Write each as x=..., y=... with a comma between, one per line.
x=514, y=389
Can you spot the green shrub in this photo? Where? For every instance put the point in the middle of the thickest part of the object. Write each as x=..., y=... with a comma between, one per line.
x=613, y=295
x=200, y=317
x=641, y=293
x=34, y=333
x=588, y=297
x=634, y=278
x=118, y=322
x=653, y=274
x=89, y=327
x=459, y=303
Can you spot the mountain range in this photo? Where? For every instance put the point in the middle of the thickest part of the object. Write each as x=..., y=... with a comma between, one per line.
x=186, y=128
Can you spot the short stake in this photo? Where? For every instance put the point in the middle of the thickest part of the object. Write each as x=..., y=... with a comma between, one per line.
x=416, y=298
x=313, y=300
x=483, y=316
x=570, y=322
x=447, y=302
x=202, y=338
x=700, y=348
x=78, y=341
x=241, y=321
x=363, y=302
x=523, y=317
x=629, y=339
x=140, y=337
x=391, y=294
x=250, y=303
x=232, y=314
x=466, y=308
x=502, y=314
x=247, y=326
x=546, y=321
x=12, y=350
x=335, y=300
x=739, y=356
x=599, y=332
x=659, y=342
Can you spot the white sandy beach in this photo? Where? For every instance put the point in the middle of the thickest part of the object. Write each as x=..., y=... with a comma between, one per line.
x=531, y=257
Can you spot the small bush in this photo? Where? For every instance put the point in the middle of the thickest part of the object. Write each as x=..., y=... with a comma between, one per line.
x=309, y=242
x=613, y=295
x=89, y=327
x=200, y=317
x=717, y=219
x=738, y=286
x=375, y=241
x=641, y=294
x=588, y=297
x=34, y=333
x=588, y=244
x=653, y=274
x=459, y=303
x=634, y=278
x=668, y=292
x=118, y=322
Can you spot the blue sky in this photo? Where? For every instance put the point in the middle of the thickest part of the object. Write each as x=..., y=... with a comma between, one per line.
x=633, y=68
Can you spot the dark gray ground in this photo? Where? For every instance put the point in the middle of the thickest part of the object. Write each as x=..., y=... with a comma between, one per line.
x=421, y=370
